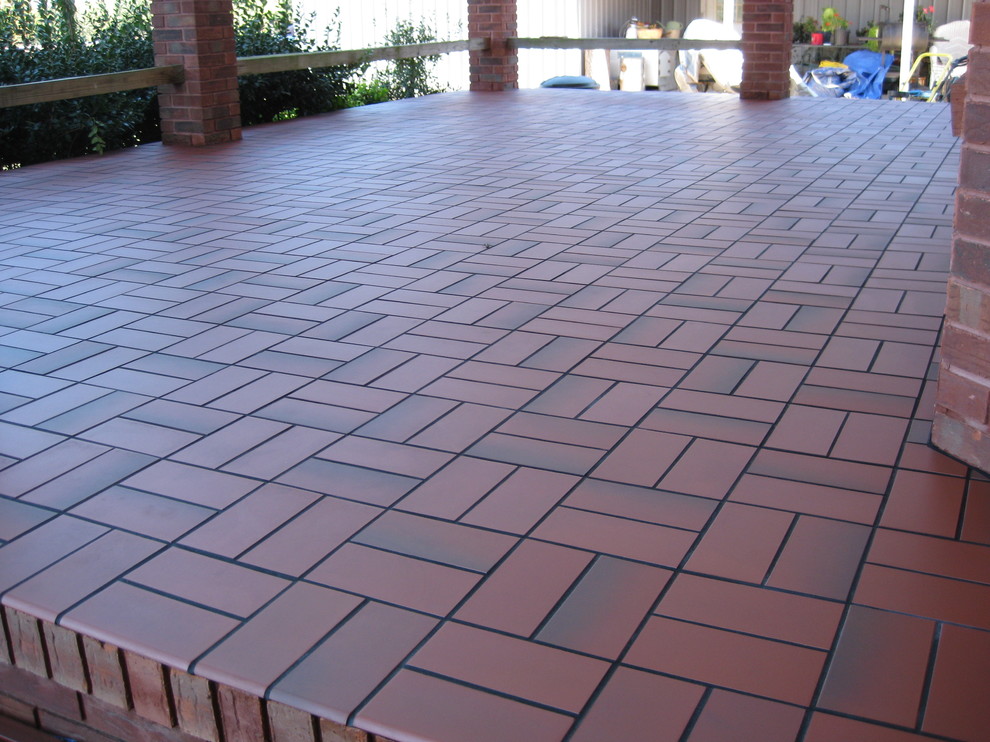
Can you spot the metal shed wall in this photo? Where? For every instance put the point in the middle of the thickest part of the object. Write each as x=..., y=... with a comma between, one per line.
x=860, y=12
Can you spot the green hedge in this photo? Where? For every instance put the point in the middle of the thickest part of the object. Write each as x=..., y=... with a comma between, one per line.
x=45, y=40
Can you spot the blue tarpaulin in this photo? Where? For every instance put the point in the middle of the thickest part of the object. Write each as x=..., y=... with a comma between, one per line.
x=870, y=68
x=862, y=76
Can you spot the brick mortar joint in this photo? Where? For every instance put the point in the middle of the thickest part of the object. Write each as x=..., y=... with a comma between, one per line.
x=964, y=374
x=965, y=283
x=975, y=147
x=963, y=329
x=977, y=194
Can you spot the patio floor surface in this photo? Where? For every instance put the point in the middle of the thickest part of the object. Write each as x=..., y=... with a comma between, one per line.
x=537, y=415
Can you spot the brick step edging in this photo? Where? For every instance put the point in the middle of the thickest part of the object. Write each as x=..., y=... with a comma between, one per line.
x=61, y=682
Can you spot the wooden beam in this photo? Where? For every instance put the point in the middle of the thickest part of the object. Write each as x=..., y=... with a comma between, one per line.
x=563, y=42
x=115, y=82
x=314, y=60
x=82, y=87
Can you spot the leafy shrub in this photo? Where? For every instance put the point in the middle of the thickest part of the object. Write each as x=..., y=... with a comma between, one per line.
x=278, y=96
x=45, y=43
x=367, y=93
x=803, y=30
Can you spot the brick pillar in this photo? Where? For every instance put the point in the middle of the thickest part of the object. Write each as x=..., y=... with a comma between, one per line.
x=198, y=34
x=962, y=403
x=498, y=67
x=766, y=45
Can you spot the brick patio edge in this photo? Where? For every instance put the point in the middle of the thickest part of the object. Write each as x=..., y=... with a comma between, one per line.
x=63, y=683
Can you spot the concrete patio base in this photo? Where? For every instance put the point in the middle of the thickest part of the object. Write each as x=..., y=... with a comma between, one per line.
x=538, y=415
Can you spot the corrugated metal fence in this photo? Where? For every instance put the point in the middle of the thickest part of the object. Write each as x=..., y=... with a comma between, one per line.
x=861, y=12
x=366, y=22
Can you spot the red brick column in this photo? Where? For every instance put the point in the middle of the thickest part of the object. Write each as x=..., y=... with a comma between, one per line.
x=766, y=44
x=198, y=34
x=498, y=67
x=962, y=404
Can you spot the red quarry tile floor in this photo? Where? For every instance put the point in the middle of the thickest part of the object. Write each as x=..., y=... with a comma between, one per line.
x=539, y=415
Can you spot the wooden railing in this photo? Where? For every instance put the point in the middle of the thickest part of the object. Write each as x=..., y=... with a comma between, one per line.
x=115, y=82
x=82, y=87
x=619, y=44
x=315, y=60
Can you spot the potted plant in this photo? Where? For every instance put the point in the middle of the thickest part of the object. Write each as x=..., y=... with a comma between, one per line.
x=649, y=31
x=673, y=29
x=836, y=25
x=870, y=32
x=803, y=30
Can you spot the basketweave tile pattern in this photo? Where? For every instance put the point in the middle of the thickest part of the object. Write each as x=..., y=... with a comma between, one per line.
x=534, y=415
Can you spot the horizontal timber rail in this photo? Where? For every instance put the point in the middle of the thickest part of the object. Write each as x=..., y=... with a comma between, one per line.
x=563, y=42
x=84, y=86
x=313, y=60
x=115, y=82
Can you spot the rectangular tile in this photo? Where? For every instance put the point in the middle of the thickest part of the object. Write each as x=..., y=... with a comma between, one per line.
x=455, y=544
x=42, y=547
x=300, y=617
x=300, y=543
x=806, y=497
x=519, y=593
x=636, y=704
x=606, y=534
x=604, y=609
x=208, y=581
x=928, y=596
x=925, y=503
x=520, y=501
x=755, y=610
x=820, y=557
x=878, y=670
x=403, y=708
x=393, y=578
x=508, y=665
x=957, y=682
x=741, y=543
x=343, y=670
x=641, y=503
x=642, y=458
x=155, y=626
x=80, y=574
x=758, y=666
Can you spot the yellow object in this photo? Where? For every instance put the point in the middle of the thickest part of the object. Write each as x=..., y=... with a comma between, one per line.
x=830, y=63
x=917, y=64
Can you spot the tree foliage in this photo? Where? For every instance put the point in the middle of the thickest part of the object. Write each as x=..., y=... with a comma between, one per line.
x=409, y=78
